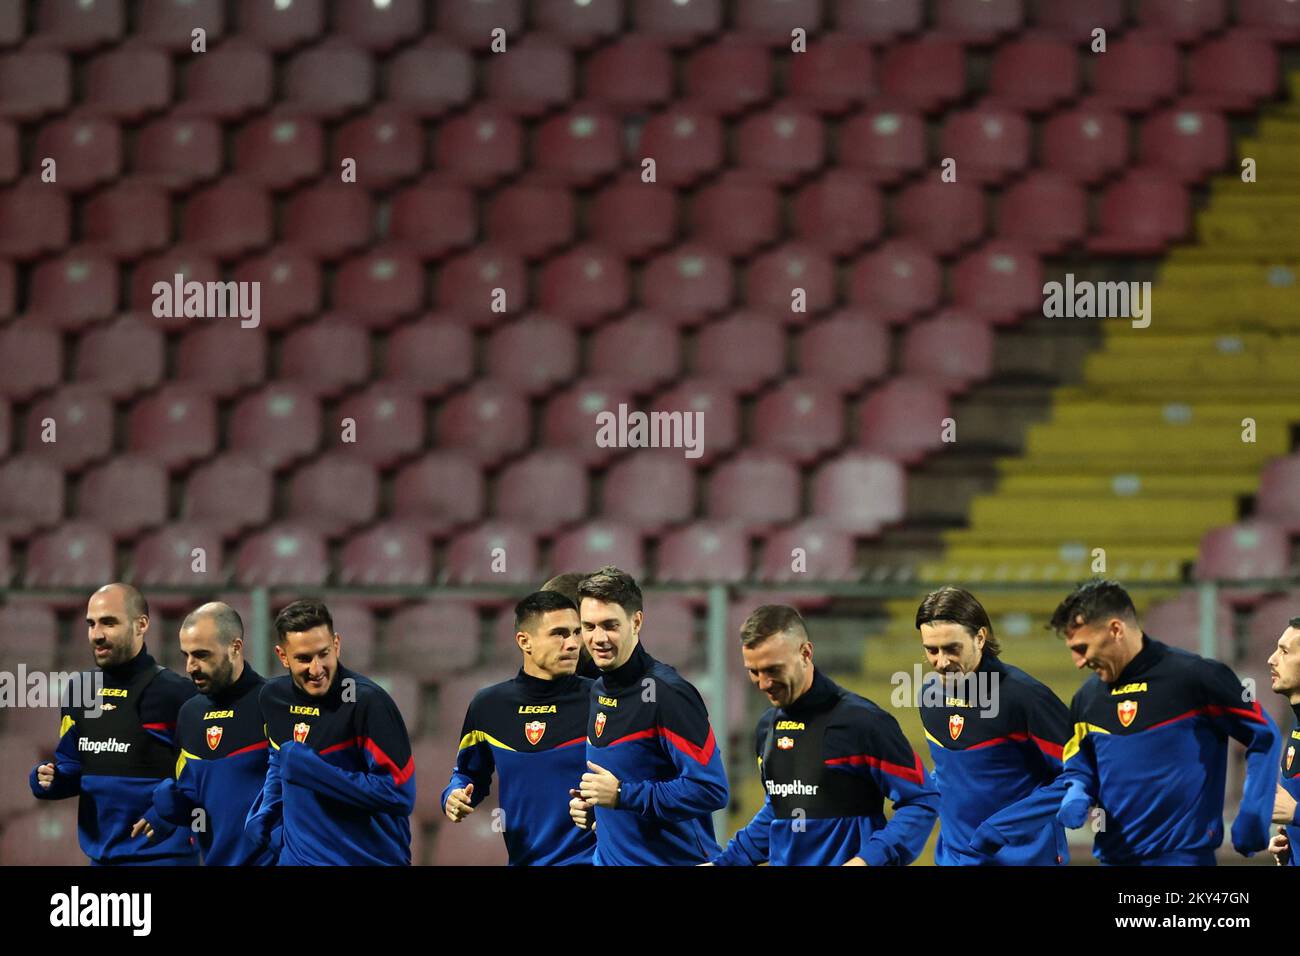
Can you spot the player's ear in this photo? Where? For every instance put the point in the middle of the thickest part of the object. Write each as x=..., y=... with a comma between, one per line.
x=525, y=641
x=637, y=620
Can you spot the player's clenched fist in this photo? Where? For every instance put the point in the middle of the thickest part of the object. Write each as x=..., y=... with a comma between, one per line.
x=45, y=775
x=599, y=787
x=579, y=811
x=458, y=803
x=1280, y=847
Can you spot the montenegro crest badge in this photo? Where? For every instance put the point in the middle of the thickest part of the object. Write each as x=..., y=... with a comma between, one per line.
x=533, y=730
x=785, y=743
x=214, y=738
x=1127, y=710
x=955, y=724
x=1290, y=755
x=300, y=732
x=600, y=723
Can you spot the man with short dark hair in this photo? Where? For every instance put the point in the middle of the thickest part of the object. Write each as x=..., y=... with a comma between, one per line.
x=1284, y=668
x=1150, y=744
x=996, y=736
x=828, y=758
x=655, y=774
x=341, y=779
x=533, y=731
x=113, y=752
x=223, y=760
x=567, y=584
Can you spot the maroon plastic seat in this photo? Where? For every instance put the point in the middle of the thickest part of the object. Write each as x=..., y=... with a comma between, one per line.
x=1278, y=497
x=275, y=425
x=434, y=219
x=282, y=555
x=124, y=495
x=128, y=83
x=650, y=489
x=167, y=557
x=598, y=543
x=743, y=351
x=12, y=24
x=690, y=280
x=780, y=145
x=381, y=286
x=326, y=357
x=430, y=356
x=34, y=220
x=846, y=350
x=290, y=283
x=534, y=76
x=677, y=23
x=192, y=265
x=87, y=151
x=83, y=419
x=388, y=146
x=479, y=147
x=1139, y=70
x=757, y=489
x=355, y=625
x=1183, y=21
x=128, y=220
x=34, y=83
x=882, y=144
x=903, y=419
x=6, y=427
x=379, y=27
x=495, y=552
x=577, y=147
x=387, y=554
x=121, y=358
x=880, y=21
x=1088, y=143
x=277, y=26
x=671, y=633
x=999, y=281
x=29, y=633
x=31, y=357
x=472, y=24
x=43, y=837
x=279, y=151
x=229, y=493
x=951, y=350
x=329, y=219
x=584, y=284
x=1278, y=20
x=390, y=423
x=780, y=277
x=801, y=419
x=686, y=142
x=641, y=350
x=833, y=75
x=828, y=554
x=439, y=491
x=428, y=79
x=838, y=213
x=31, y=495
x=989, y=143
x=8, y=289
x=923, y=74
x=633, y=218
x=1249, y=549
x=177, y=425
x=736, y=214
x=489, y=421
x=1074, y=20
x=1190, y=144
x=544, y=491
x=1177, y=622
x=570, y=418
x=1233, y=72
x=898, y=280
x=73, y=555
x=578, y=23
x=329, y=80
x=1270, y=618
x=729, y=76
x=433, y=639
x=170, y=23
x=228, y=82
x=1034, y=74
x=713, y=551
x=531, y=219
x=633, y=74
x=859, y=493
x=10, y=152
x=944, y=217
x=76, y=289
x=1048, y=212
x=178, y=152
x=713, y=399
x=222, y=358
x=978, y=21
x=1141, y=215
x=772, y=21
x=334, y=494
x=228, y=219
x=77, y=26
x=535, y=354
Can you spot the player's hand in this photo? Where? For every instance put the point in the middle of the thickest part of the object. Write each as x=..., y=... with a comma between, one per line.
x=855, y=861
x=458, y=803
x=1283, y=807
x=706, y=864
x=599, y=788
x=1074, y=807
x=45, y=776
x=580, y=811
x=142, y=826
x=1280, y=847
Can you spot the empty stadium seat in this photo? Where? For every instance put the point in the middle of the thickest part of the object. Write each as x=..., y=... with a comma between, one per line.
x=124, y=495
x=1189, y=144
x=229, y=493
x=326, y=357
x=577, y=147
x=793, y=281
x=978, y=21
x=76, y=554
x=430, y=356
x=329, y=219
x=1279, y=20
x=329, y=80
x=488, y=421
x=1087, y=143
x=950, y=350
x=744, y=351
x=729, y=76
x=716, y=402
x=276, y=425
x=440, y=491
x=897, y=280
x=632, y=217
x=1034, y=74
x=34, y=83
x=29, y=633
x=859, y=493
x=578, y=23
x=290, y=283
x=833, y=75
x=597, y=543
x=176, y=426
x=650, y=489
x=493, y=552
x=170, y=23
x=355, y=625
x=127, y=220
x=999, y=281
x=78, y=26
x=570, y=423
x=433, y=219
x=735, y=214
x=380, y=26
x=279, y=151
x=903, y=419
x=81, y=425
x=1183, y=21
x=190, y=264
x=386, y=554
x=584, y=284
x=387, y=145
x=381, y=286
x=756, y=489
x=1268, y=620
x=801, y=419
x=780, y=145
x=122, y=357
x=46, y=836
x=479, y=147
x=531, y=219
x=640, y=350
x=1075, y=20
x=924, y=74
x=433, y=639
x=279, y=26
x=1249, y=549
x=944, y=217
x=846, y=350
x=544, y=491
x=222, y=358
x=632, y=74
x=75, y=289
x=686, y=142
x=178, y=152
x=34, y=219
x=690, y=279
x=1278, y=497
x=1138, y=71
x=31, y=495
x=177, y=555
x=1140, y=215
x=333, y=495
x=1176, y=622
x=711, y=551
x=1048, y=212
x=87, y=151
x=1232, y=72
x=282, y=555
x=228, y=82
x=535, y=354
x=880, y=21
x=389, y=424
x=229, y=219
x=128, y=83
x=808, y=551
x=533, y=76
x=989, y=143
x=430, y=78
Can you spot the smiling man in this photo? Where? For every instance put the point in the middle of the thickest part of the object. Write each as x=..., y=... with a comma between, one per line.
x=1150, y=744
x=340, y=782
x=1284, y=669
x=828, y=759
x=533, y=731
x=655, y=774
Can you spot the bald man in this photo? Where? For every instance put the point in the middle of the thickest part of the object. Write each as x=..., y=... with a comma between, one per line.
x=114, y=750
x=224, y=749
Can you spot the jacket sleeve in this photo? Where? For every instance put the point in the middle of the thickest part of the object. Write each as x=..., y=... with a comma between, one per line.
x=1078, y=782
x=67, y=763
x=175, y=800
x=264, y=824
x=161, y=706
x=686, y=737
x=749, y=847
x=1047, y=724
x=387, y=785
x=474, y=761
x=886, y=756
x=1246, y=722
